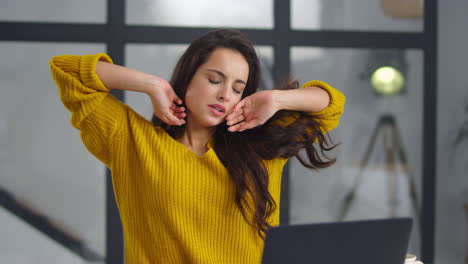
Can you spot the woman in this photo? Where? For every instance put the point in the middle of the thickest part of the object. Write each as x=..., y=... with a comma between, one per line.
x=201, y=182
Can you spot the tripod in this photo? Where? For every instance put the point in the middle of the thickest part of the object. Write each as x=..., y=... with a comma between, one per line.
x=393, y=147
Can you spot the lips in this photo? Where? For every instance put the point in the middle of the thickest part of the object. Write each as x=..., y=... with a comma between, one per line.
x=217, y=109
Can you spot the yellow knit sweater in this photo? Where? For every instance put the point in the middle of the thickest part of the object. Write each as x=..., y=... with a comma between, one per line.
x=175, y=206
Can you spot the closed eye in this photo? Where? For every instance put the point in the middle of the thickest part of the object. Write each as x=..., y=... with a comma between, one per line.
x=213, y=82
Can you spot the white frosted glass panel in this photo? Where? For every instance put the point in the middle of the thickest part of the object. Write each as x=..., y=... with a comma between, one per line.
x=16, y=236
x=451, y=221
x=154, y=59
x=202, y=13
x=380, y=192
x=368, y=15
x=86, y=11
x=160, y=60
x=43, y=162
x=265, y=55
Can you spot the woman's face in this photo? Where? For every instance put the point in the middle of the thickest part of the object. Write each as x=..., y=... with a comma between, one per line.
x=216, y=87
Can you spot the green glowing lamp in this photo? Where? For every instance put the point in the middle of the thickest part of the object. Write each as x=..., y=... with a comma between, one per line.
x=387, y=80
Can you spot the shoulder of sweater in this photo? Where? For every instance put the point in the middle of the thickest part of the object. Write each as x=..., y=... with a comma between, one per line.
x=135, y=119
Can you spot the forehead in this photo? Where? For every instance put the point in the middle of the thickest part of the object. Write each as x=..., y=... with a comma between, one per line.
x=231, y=62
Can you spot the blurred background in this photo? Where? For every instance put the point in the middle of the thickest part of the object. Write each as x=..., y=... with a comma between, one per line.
x=404, y=134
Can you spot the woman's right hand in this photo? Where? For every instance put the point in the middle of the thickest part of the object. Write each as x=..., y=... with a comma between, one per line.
x=166, y=104
x=162, y=95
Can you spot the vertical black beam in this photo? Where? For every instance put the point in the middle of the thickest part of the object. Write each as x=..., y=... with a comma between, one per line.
x=115, y=48
x=114, y=237
x=281, y=70
x=282, y=58
x=429, y=150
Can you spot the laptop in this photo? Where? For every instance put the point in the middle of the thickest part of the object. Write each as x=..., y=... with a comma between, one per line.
x=382, y=241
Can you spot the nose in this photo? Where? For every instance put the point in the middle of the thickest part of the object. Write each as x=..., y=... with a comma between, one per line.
x=224, y=94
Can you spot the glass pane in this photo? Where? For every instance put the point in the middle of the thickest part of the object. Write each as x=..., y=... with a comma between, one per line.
x=88, y=11
x=160, y=61
x=153, y=59
x=203, y=13
x=381, y=15
x=265, y=55
x=452, y=136
x=16, y=235
x=43, y=163
x=382, y=185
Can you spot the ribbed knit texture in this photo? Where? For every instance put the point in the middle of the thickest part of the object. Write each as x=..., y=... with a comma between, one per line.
x=175, y=206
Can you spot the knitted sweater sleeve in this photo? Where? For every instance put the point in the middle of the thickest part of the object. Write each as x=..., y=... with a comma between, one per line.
x=94, y=111
x=329, y=117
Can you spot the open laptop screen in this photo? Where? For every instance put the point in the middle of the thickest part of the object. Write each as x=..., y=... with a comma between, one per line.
x=383, y=241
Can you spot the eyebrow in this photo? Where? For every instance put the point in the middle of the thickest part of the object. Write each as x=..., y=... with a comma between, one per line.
x=224, y=76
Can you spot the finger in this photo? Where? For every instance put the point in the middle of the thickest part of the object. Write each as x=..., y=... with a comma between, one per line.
x=243, y=126
x=180, y=115
x=235, y=120
x=166, y=121
x=178, y=101
x=172, y=119
x=239, y=105
x=235, y=128
x=235, y=114
x=250, y=125
x=175, y=106
x=232, y=116
x=179, y=109
x=247, y=125
x=176, y=110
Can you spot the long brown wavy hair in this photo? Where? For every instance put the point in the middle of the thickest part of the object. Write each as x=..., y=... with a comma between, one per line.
x=242, y=153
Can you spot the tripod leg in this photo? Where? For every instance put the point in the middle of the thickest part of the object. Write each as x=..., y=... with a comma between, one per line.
x=409, y=175
x=350, y=196
x=392, y=176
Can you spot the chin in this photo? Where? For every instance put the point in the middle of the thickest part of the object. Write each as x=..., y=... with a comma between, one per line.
x=210, y=122
x=216, y=123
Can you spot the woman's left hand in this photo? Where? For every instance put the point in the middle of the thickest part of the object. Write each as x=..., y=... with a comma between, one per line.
x=252, y=111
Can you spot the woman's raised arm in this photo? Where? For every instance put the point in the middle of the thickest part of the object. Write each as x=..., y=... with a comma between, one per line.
x=315, y=98
x=84, y=83
x=162, y=95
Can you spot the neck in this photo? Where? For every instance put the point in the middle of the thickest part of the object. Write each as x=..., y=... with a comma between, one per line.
x=196, y=138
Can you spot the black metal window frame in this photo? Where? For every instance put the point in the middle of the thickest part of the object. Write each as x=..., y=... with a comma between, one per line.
x=116, y=34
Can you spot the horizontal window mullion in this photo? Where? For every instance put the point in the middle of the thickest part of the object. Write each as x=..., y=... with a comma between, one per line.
x=53, y=32
x=357, y=39
x=154, y=34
